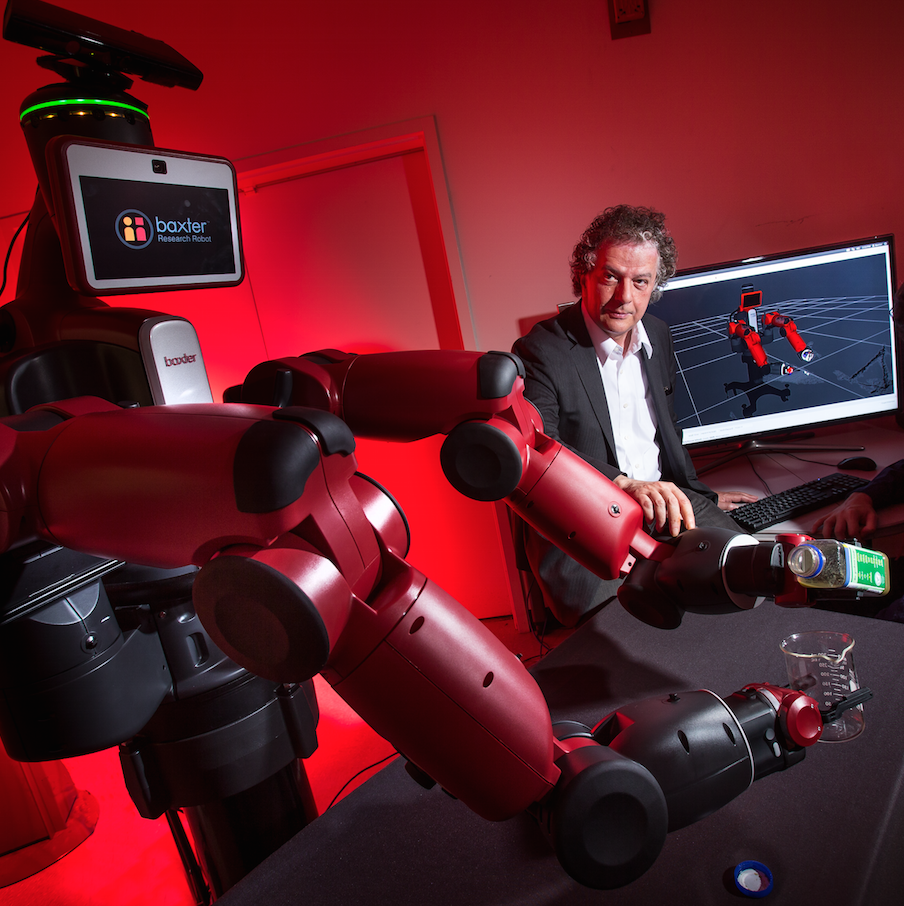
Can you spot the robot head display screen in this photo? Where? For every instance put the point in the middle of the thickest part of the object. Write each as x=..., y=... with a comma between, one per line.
x=143, y=219
x=131, y=217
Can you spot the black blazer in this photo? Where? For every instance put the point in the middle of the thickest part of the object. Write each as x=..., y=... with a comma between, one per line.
x=563, y=382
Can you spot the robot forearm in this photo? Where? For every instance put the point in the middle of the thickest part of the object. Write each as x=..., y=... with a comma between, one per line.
x=712, y=570
x=658, y=765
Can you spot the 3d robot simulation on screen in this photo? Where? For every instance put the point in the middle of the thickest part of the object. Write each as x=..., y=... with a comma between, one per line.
x=287, y=562
x=748, y=331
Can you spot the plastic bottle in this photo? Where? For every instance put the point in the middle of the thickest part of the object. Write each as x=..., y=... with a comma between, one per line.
x=826, y=563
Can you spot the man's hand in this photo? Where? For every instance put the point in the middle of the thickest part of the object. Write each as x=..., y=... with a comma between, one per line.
x=855, y=518
x=663, y=503
x=731, y=500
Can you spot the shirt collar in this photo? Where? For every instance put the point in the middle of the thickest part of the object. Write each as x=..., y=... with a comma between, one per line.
x=605, y=345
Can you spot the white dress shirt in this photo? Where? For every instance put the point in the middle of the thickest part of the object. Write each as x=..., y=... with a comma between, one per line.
x=630, y=406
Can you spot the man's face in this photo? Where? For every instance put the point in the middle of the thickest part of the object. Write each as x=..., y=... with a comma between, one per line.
x=617, y=291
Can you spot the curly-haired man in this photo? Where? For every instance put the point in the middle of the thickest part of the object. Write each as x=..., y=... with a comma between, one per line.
x=602, y=374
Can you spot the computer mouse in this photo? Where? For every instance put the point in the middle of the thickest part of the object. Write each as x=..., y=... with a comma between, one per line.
x=858, y=464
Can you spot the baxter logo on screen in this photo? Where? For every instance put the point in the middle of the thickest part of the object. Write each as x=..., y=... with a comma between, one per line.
x=187, y=230
x=134, y=229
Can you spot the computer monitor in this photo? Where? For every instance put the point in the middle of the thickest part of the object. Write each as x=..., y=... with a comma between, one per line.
x=137, y=219
x=771, y=345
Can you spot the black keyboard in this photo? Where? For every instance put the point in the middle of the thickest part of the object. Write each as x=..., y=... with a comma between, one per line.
x=756, y=516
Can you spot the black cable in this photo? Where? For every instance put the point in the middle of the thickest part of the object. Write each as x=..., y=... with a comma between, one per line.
x=803, y=479
x=9, y=251
x=352, y=779
x=538, y=633
x=814, y=462
x=763, y=481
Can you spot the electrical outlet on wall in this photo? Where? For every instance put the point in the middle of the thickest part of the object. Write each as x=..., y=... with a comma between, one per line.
x=628, y=18
x=629, y=10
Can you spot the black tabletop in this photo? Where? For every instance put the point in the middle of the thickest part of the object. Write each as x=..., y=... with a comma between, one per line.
x=831, y=829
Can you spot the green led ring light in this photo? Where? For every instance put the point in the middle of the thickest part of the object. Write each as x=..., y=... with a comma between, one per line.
x=69, y=102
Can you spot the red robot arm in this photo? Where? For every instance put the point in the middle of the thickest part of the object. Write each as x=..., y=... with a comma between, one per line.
x=752, y=340
x=495, y=447
x=789, y=330
x=302, y=571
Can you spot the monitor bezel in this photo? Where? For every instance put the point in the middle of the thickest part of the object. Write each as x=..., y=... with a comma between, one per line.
x=69, y=158
x=779, y=433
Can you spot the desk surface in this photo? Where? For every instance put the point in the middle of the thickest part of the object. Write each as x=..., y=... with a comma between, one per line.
x=831, y=828
x=767, y=473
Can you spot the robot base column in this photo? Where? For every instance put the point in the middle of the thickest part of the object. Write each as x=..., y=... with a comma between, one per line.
x=234, y=834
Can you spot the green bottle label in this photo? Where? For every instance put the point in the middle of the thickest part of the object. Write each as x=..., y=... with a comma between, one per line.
x=867, y=570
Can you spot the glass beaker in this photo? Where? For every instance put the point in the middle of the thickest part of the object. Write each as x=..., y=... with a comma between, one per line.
x=821, y=664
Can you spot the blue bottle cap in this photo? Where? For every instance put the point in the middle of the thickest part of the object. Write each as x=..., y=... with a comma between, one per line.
x=815, y=560
x=753, y=879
